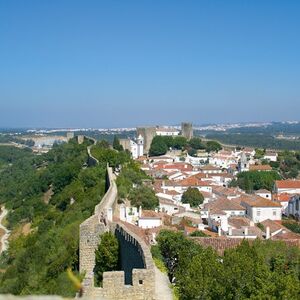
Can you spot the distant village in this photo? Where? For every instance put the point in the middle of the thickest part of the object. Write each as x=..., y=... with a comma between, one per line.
x=226, y=212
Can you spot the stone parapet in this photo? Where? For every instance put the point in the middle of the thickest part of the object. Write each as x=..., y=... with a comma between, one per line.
x=142, y=286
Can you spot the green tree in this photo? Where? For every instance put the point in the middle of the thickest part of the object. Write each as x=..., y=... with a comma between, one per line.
x=107, y=256
x=116, y=144
x=179, y=142
x=103, y=144
x=198, y=233
x=143, y=196
x=192, y=152
x=260, y=270
x=193, y=197
x=158, y=146
x=196, y=143
x=213, y=146
x=256, y=180
x=259, y=153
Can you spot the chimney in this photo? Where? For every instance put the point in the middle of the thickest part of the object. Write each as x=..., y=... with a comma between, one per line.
x=229, y=230
x=251, y=223
x=219, y=231
x=267, y=232
x=140, y=211
x=246, y=231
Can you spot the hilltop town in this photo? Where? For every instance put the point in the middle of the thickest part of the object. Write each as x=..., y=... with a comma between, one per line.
x=126, y=214
x=223, y=210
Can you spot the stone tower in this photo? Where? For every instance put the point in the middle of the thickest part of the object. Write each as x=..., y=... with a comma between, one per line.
x=187, y=130
x=243, y=164
x=70, y=135
x=80, y=139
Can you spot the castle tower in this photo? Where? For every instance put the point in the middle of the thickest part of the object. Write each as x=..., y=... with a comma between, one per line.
x=140, y=146
x=70, y=135
x=187, y=130
x=243, y=163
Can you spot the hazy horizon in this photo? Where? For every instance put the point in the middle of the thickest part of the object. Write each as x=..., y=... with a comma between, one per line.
x=70, y=64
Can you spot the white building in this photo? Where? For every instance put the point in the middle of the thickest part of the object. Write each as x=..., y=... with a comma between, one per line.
x=167, y=131
x=210, y=169
x=217, y=213
x=259, y=209
x=149, y=219
x=136, y=148
x=271, y=156
x=243, y=164
x=289, y=186
x=264, y=194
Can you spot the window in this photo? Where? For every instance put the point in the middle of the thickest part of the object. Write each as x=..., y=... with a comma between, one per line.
x=297, y=204
x=140, y=281
x=258, y=213
x=274, y=212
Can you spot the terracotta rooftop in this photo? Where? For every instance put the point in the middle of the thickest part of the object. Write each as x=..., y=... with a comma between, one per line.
x=210, y=167
x=260, y=168
x=223, y=204
x=257, y=201
x=206, y=194
x=151, y=214
x=286, y=235
x=238, y=222
x=283, y=197
x=225, y=191
x=274, y=226
x=175, y=166
x=172, y=192
x=288, y=184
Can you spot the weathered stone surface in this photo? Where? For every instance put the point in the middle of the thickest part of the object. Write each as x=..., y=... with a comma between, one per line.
x=143, y=279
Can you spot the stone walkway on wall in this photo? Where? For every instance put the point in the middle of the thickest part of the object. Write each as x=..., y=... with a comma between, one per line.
x=4, y=238
x=162, y=286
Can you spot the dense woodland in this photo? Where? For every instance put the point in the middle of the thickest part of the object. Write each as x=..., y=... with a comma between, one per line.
x=255, y=180
x=36, y=261
x=260, y=270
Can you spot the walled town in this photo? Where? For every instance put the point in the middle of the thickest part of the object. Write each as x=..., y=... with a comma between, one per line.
x=224, y=211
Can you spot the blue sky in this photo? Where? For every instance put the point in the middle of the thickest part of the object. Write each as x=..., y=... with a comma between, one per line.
x=127, y=63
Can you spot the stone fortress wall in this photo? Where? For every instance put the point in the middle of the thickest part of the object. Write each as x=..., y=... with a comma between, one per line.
x=137, y=279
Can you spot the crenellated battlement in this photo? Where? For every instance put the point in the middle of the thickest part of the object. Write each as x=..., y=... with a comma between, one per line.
x=137, y=279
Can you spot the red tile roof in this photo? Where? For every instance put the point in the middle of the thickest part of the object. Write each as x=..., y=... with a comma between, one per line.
x=283, y=197
x=257, y=201
x=288, y=184
x=260, y=168
x=223, y=204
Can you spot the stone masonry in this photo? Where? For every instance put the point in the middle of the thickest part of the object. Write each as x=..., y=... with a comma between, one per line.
x=143, y=279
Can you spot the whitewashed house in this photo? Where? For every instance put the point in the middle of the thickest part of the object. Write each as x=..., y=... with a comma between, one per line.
x=290, y=186
x=259, y=209
x=271, y=156
x=264, y=194
x=149, y=219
